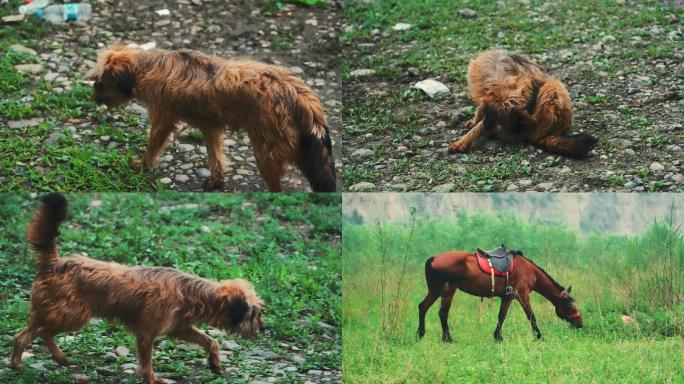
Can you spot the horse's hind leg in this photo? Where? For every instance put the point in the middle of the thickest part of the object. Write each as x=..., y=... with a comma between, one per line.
x=447, y=296
x=524, y=299
x=505, y=303
x=434, y=290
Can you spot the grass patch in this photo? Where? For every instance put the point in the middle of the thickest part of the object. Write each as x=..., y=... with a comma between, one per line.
x=284, y=244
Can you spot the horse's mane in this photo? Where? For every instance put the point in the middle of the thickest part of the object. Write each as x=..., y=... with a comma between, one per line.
x=545, y=273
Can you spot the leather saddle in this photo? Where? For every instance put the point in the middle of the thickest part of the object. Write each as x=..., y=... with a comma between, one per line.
x=501, y=260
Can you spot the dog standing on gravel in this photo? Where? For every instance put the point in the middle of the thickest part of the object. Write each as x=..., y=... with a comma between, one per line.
x=282, y=116
x=149, y=301
x=517, y=101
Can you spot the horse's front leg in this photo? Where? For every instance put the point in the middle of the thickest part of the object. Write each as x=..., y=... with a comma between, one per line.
x=524, y=299
x=503, y=310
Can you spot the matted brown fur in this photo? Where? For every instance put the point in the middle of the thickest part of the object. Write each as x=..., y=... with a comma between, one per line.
x=517, y=100
x=149, y=301
x=282, y=116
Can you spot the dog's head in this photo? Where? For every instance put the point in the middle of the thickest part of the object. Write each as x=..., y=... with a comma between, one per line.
x=241, y=308
x=114, y=76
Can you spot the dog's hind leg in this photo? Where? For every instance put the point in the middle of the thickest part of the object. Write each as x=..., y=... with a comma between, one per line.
x=195, y=336
x=271, y=170
x=21, y=341
x=213, y=139
x=144, y=345
x=56, y=353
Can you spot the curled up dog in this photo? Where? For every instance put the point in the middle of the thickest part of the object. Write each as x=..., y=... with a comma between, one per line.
x=149, y=301
x=518, y=101
x=282, y=116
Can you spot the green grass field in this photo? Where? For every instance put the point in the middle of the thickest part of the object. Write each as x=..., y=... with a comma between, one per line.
x=611, y=276
x=285, y=244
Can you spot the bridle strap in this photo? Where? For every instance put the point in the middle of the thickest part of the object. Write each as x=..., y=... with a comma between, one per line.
x=491, y=269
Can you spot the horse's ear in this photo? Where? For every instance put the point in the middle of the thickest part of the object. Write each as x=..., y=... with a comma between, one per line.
x=569, y=289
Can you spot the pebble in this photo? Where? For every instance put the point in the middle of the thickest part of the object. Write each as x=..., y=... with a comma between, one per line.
x=186, y=147
x=261, y=354
x=678, y=178
x=122, y=351
x=29, y=68
x=362, y=186
x=362, y=73
x=231, y=345
x=448, y=187
x=401, y=27
x=467, y=13
x=110, y=357
x=203, y=172
x=656, y=167
x=182, y=178
x=512, y=187
x=80, y=378
x=543, y=187
x=22, y=49
x=39, y=367
x=525, y=182
x=362, y=153
x=165, y=180
x=132, y=366
x=104, y=371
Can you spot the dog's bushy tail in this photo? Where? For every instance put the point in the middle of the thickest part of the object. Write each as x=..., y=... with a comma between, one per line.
x=577, y=145
x=315, y=147
x=44, y=229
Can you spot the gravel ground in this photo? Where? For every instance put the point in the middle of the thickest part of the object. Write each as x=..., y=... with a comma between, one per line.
x=305, y=39
x=623, y=69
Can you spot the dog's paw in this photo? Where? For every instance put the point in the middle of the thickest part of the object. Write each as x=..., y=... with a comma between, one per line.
x=457, y=147
x=213, y=184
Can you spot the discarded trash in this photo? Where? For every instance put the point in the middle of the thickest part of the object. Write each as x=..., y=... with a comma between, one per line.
x=32, y=7
x=61, y=13
x=9, y=19
x=432, y=87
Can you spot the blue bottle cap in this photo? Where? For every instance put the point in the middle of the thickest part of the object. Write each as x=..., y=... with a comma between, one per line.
x=39, y=13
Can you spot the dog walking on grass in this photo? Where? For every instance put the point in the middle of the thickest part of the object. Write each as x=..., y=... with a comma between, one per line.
x=518, y=101
x=282, y=116
x=149, y=301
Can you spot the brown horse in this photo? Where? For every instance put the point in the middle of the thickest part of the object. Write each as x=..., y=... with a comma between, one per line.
x=449, y=271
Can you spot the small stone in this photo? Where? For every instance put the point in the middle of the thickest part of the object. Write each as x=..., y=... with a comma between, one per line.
x=39, y=367
x=565, y=170
x=678, y=178
x=261, y=354
x=51, y=76
x=447, y=187
x=630, y=152
x=80, y=378
x=163, y=12
x=525, y=182
x=432, y=87
x=122, y=351
x=298, y=359
x=132, y=366
x=149, y=45
x=137, y=108
x=314, y=372
x=673, y=148
x=401, y=27
x=467, y=13
x=203, y=172
x=110, y=357
x=362, y=153
x=362, y=73
x=231, y=345
x=29, y=68
x=182, y=178
x=20, y=48
x=104, y=371
x=165, y=180
x=362, y=186
x=512, y=187
x=186, y=147
x=656, y=167
x=13, y=19
x=16, y=124
x=296, y=70
x=543, y=187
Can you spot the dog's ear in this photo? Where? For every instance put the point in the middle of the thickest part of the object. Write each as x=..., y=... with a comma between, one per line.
x=235, y=309
x=120, y=68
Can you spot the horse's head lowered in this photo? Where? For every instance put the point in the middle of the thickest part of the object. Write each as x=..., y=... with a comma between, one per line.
x=566, y=310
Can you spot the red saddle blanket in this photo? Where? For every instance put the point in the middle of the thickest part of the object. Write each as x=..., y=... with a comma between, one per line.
x=484, y=266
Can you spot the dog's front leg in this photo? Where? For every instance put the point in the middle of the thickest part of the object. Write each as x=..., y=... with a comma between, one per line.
x=213, y=139
x=195, y=336
x=467, y=141
x=160, y=134
x=144, y=344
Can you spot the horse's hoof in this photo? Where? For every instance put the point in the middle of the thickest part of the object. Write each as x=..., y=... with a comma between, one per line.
x=498, y=339
x=447, y=339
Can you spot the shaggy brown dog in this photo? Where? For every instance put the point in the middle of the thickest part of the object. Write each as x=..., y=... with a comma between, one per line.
x=283, y=117
x=517, y=101
x=149, y=301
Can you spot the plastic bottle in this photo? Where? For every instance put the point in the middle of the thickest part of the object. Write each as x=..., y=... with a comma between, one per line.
x=61, y=13
x=33, y=6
